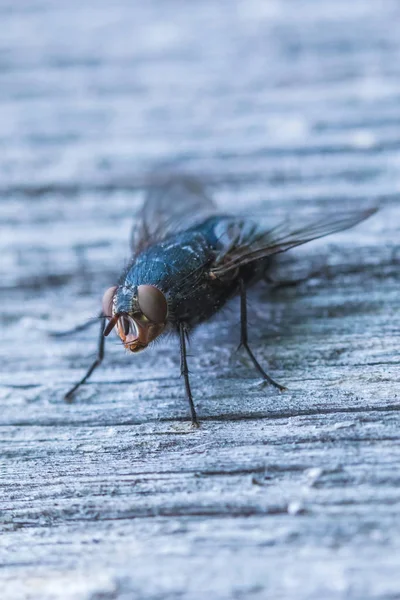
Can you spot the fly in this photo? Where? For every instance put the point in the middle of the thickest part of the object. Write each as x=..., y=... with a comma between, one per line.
x=188, y=260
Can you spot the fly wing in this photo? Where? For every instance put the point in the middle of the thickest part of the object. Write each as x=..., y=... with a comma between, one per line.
x=243, y=242
x=170, y=206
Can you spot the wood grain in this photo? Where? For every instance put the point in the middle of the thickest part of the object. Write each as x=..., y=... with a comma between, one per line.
x=282, y=112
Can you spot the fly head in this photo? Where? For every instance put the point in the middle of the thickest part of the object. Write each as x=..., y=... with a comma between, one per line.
x=138, y=314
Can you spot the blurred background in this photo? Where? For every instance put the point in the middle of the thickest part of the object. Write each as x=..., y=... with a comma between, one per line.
x=280, y=107
x=278, y=102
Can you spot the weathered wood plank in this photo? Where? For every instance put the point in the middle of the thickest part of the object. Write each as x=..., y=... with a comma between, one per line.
x=282, y=111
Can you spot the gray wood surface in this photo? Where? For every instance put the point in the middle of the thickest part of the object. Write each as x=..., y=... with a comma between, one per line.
x=283, y=108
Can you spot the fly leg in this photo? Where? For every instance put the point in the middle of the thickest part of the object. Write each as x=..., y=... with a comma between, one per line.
x=75, y=329
x=244, y=338
x=96, y=363
x=286, y=283
x=185, y=374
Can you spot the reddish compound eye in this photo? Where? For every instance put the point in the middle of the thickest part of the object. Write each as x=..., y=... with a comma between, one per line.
x=152, y=303
x=108, y=301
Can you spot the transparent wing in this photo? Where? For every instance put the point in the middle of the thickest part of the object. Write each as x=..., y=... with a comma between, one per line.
x=171, y=205
x=243, y=242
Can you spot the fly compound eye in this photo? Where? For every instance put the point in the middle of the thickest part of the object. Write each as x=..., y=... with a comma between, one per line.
x=107, y=302
x=152, y=303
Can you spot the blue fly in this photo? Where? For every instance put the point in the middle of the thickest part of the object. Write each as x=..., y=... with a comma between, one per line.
x=188, y=260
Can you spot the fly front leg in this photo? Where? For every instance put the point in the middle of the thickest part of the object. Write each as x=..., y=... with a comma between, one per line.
x=76, y=329
x=185, y=373
x=244, y=338
x=96, y=363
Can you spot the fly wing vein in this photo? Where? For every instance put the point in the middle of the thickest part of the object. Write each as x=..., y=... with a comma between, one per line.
x=258, y=244
x=172, y=205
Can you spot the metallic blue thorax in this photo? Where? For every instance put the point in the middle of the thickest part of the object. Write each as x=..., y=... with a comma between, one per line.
x=180, y=268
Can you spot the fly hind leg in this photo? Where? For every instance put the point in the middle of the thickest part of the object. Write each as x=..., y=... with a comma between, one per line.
x=94, y=365
x=244, y=339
